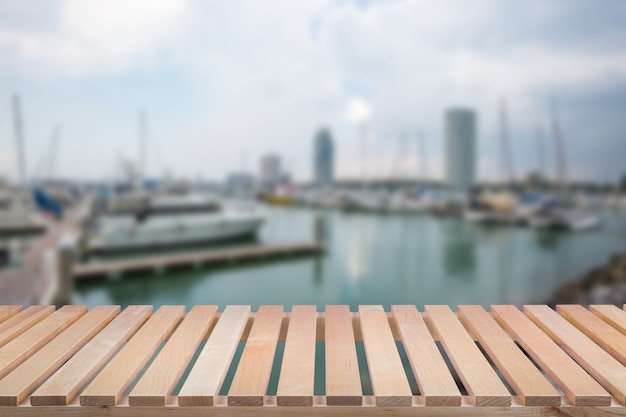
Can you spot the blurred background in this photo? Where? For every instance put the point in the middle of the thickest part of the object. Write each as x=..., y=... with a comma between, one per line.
x=312, y=152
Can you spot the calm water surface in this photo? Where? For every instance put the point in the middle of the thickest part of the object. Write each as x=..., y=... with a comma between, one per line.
x=381, y=259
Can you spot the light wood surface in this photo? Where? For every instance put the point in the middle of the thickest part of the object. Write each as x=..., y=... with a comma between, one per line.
x=297, y=373
x=23, y=321
x=108, y=386
x=159, y=380
x=23, y=346
x=603, y=367
x=64, y=385
x=578, y=386
x=18, y=384
x=612, y=315
x=431, y=372
x=531, y=387
x=8, y=311
x=249, y=385
x=596, y=329
x=389, y=381
x=479, y=378
x=343, y=381
x=201, y=386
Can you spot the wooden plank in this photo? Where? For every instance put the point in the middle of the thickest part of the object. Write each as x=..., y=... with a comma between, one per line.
x=531, y=387
x=23, y=346
x=612, y=315
x=343, y=380
x=249, y=385
x=18, y=384
x=207, y=374
x=596, y=329
x=297, y=373
x=479, y=378
x=8, y=311
x=389, y=381
x=23, y=321
x=430, y=370
x=578, y=386
x=603, y=367
x=63, y=386
x=158, y=382
x=109, y=385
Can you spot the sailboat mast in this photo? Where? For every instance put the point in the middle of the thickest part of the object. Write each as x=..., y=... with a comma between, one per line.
x=559, y=145
x=421, y=148
x=19, y=140
x=142, y=145
x=541, y=154
x=56, y=134
x=507, y=157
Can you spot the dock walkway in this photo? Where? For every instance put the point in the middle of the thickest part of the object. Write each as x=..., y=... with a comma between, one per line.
x=137, y=362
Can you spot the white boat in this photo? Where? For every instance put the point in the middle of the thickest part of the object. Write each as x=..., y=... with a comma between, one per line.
x=492, y=208
x=17, y=211
x=173, y=220
x=557, y=217
x=368, y=201
x=404, y=202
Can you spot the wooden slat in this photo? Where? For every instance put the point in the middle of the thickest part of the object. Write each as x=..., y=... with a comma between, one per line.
x=109, y=385
x=157, y=383
x=249, y=385
x=8, y=311
x=23, y=321
x=297, y=373
x=612, y=315
x=431, y=372
x=207, y=374
x=343, y=381
x=477, y=375
x=602, y=366
x=389, y=381
x=18, y=384
x=577, y=385
x=63, y=386
x=596, y=329
x=24, y=345
x=531, y=387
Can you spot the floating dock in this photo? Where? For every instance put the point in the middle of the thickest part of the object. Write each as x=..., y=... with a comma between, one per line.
x=138, y=362
x=103, y=269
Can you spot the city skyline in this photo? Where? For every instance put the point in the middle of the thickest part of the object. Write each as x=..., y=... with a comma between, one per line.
x=211, y=92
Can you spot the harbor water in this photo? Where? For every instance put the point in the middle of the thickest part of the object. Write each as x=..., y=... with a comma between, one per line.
x=380, y=259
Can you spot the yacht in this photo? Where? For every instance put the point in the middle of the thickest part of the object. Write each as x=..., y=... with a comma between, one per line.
x=147, y=221
x=553, y=215
x=18, y=212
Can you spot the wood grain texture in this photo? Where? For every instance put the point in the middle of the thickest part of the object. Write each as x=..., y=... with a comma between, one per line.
x=603, y=367
x=576, y=384
x=297, y=373
x=531, y=387
x=18, y=384
x=596, y=329
x=108, y=386
x=157, y=383
x=23, y=321
x=431, y=372
x=8, y=311
x=343, y=380
x=23, y=346
x=63, y=386
x=207, y=374
x=612, y=315
x=389, y=381
x=479, y=378
x=249, y=385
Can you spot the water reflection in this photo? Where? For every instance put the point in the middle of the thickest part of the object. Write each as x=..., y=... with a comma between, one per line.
x=459, y=258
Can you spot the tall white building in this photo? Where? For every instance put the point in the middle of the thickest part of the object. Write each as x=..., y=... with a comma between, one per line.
x=460, y=152
x=271, y=172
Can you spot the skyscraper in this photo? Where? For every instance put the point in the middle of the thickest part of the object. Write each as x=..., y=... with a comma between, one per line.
x=323, y=158
x=460, y=151
x=270, y=170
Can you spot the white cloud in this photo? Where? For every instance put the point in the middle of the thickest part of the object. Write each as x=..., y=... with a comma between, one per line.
x=358, y=111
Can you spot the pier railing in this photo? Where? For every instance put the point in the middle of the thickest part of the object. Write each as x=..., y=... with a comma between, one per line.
x=139, y=362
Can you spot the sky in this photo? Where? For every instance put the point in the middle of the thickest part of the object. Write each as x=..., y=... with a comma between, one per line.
x=225, y=82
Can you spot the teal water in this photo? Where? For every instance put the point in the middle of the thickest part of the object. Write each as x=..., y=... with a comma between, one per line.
x=381, y=259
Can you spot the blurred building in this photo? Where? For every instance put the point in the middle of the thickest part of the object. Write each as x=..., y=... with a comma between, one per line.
x=240, y=182
x=460, y=151
x=323, y=158
x=271, y=172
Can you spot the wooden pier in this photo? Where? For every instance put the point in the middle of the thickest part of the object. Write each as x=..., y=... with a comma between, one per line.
x=140, y=362
x=103, y=269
